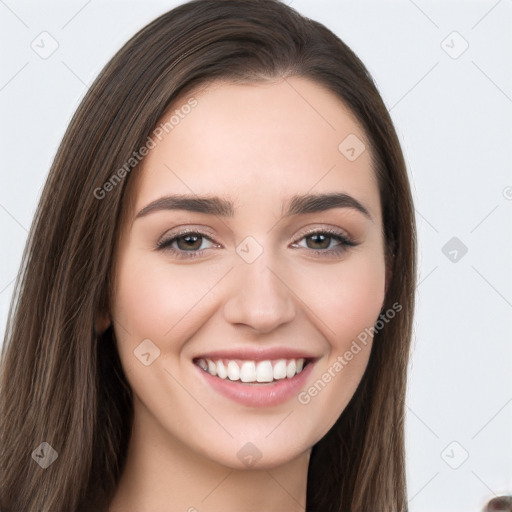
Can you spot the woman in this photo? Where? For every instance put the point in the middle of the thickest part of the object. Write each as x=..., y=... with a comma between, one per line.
x=215, y=303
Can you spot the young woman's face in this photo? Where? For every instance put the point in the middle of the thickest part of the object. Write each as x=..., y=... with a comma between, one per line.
x=256, y=281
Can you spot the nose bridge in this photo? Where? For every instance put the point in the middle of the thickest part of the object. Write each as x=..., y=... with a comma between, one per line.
x=259, y=297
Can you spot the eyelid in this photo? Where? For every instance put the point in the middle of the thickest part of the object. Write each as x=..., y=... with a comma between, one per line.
x=176, y=232
x=345, y=240
x=324, y=229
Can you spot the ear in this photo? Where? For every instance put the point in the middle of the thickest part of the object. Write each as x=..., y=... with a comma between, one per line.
x=102, y=322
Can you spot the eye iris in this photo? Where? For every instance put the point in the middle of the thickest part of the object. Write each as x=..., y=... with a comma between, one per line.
x=191, y=242
x=324, y=241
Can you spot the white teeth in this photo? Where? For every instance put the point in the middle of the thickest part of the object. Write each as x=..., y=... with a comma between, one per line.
x=212, y=368
x=280, y=369
x=233, y=371
x=291, y=369
x=264, y=372
x=248, y=372
x=252, y=371
x=221, y=371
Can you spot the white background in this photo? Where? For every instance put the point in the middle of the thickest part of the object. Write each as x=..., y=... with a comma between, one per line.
x=453, y=117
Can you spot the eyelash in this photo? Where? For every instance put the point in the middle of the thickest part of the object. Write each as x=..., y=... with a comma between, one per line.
x=344, y=243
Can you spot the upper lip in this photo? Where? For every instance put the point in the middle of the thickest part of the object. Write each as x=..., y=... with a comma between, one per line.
x=258, y=354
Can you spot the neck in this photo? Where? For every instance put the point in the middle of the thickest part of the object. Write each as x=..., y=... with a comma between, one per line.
x=164, y=475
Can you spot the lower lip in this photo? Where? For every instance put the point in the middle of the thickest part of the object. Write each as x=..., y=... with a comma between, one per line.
x=259, y=395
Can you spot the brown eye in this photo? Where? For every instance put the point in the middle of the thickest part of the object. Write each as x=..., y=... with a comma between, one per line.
x=326, y=243
x=320, y=241
x=190, y=242
x=187, y=244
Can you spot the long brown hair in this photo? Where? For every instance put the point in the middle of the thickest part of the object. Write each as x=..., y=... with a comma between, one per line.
x=63, y=384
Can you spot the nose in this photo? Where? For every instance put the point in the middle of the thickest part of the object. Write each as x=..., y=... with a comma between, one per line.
x=259, y=298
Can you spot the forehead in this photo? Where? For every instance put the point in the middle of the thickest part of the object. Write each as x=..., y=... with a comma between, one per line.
x=258, y=142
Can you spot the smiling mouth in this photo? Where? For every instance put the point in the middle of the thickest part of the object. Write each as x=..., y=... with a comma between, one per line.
x=255, y=372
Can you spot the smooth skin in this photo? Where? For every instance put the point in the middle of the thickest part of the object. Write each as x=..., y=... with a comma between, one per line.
x=256, y=145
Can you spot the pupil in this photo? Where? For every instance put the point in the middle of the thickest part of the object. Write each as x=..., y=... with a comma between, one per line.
x=190, y=240
x=325, y=239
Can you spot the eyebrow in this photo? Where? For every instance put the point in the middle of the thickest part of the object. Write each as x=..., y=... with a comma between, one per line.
x=212, y=205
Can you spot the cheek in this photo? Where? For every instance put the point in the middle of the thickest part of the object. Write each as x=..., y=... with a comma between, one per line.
x=347, y=301
x=360, y=299
x=155, y=300
x=346, y=297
